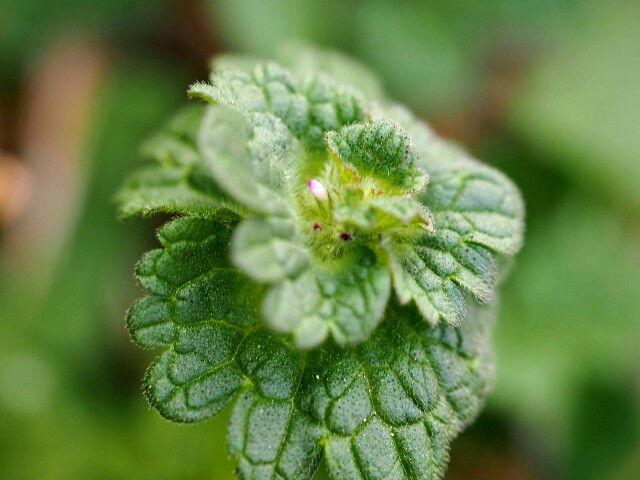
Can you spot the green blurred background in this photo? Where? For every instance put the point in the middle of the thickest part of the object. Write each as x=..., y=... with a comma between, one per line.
x=547, y=90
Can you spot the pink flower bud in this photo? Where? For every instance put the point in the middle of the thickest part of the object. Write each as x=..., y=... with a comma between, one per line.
x=318, y=190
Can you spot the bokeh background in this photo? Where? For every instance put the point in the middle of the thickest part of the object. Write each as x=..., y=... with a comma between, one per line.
x=546, y=90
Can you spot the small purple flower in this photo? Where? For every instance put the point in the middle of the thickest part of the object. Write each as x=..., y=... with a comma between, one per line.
x=318, y=190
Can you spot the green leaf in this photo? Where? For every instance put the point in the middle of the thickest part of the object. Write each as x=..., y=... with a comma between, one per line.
x=176, y=181
x=156, y=189
x=300, y=59
x=389, y=407
x=331, y=212
x=435, y=243
x=250, y=158
x=309, y=106
x=382, y=212
x=199, y=307
x=262, y=247
x=273, y=439
x=270, y=249
x=381, y=151
x=347, y=300
x=252, y=141
x=268, y=133
x=478, y=217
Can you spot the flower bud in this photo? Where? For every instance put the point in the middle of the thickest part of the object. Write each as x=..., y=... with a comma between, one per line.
x=318, y=190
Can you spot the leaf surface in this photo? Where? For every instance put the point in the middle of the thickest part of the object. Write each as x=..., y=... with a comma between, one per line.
x=387, y=408
x=478, y=218
x=249, y=157
x=381, y=151
x=347, y=301
x=175, y=181
x=255, y=139
x=303, y=207
x=309, y=106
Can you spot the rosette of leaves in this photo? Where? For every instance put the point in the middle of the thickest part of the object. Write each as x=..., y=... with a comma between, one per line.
x=330, y=272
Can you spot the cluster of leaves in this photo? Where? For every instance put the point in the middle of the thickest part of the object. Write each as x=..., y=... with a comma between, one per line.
x=302, y=206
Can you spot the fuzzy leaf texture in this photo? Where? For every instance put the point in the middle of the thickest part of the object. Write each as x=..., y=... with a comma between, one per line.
x=175, y=180
x=330, y=274
x=387, y=408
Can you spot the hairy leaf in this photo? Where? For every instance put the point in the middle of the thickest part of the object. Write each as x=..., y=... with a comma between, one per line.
x=386, y=409
x=304, y=207
x=199, y=307
x=347, y=300
x=251, y=142
x=380, y=150
x=478, y=218
x=263, y=139
x=249, y=158
x=263, y=248
x=309, y=106
x=176, y=180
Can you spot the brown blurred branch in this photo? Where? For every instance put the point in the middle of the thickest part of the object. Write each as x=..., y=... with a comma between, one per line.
x=51, y=126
